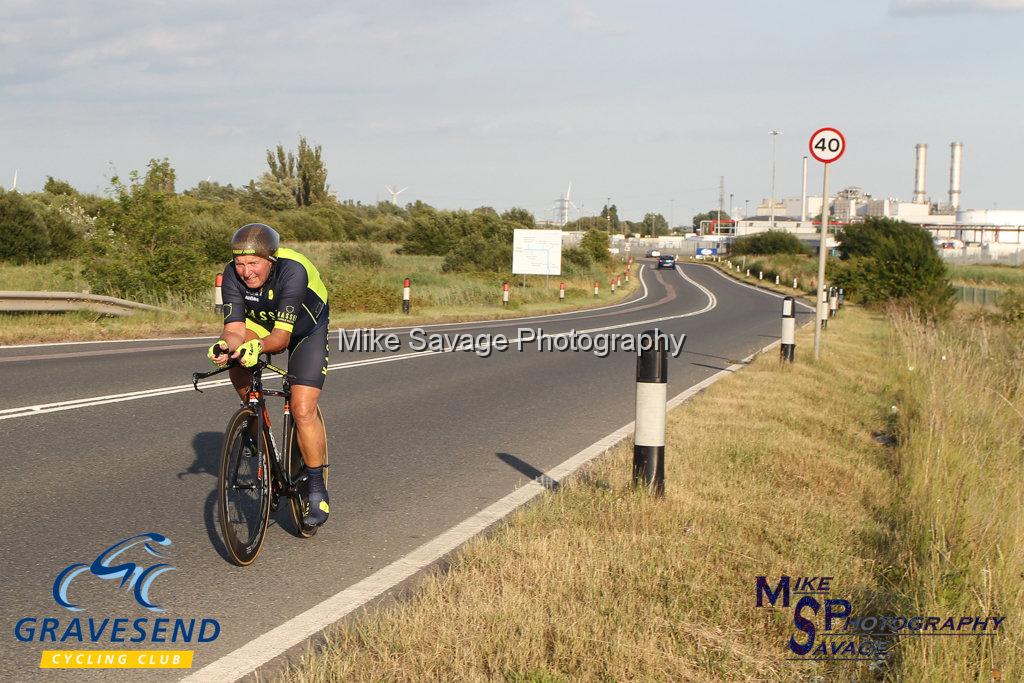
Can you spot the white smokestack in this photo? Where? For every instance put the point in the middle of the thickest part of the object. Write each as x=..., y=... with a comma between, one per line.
x=919, y=166
x=956, y=150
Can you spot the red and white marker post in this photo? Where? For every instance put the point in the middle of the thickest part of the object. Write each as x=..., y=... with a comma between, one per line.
x=827, y=145
x=561, y=291
x=597, y=288
x=406, y=291
x=504, y=294
x=218, y=297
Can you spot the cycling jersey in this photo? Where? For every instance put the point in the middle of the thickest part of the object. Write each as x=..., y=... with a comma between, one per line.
x=293, y=299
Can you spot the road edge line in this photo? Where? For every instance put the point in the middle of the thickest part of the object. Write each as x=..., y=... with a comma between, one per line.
x=276, y=642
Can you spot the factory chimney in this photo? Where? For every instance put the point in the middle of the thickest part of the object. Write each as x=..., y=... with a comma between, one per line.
x=922, y=158
x=956, y=154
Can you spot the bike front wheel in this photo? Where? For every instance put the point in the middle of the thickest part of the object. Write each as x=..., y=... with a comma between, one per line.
x=244, y=487
x=295, y=466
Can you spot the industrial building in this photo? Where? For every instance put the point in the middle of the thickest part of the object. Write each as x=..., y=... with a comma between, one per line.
x=986, y=232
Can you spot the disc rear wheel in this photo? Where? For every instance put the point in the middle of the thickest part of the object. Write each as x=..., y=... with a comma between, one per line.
x=244, y=487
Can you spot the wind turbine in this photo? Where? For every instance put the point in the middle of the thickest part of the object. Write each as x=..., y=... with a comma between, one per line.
x=14, y=185
x=563, y=207
x=395, y=193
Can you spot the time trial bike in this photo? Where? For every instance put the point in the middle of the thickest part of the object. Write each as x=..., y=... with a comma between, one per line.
x=254, y=473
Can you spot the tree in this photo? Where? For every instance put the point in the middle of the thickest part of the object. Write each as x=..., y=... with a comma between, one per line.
x=770, y=242
x=595, y=242
x=711, y=215
x=23, y=234
x=160, y=176
x=54, y=186
x=521, y=216
x=655, y=224
x=305, y=173
x=884, y=259
x=611, y=216
x=212, y=191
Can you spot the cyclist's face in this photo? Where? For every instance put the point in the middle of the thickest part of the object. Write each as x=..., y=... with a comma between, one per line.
x=254, y=270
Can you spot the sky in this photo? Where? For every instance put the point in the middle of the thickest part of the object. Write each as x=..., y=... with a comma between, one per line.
x=505, y=103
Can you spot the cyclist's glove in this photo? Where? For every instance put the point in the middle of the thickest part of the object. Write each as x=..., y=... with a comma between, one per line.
x=218, y=349
x=249, y=352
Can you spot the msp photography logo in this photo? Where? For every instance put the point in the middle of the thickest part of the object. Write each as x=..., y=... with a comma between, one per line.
x=827, y=629
x=131, y=566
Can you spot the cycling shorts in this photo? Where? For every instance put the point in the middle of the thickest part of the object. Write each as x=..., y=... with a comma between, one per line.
x=307, y=358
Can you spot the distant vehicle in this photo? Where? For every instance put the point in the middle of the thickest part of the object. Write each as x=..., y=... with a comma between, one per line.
x=666, y=261
x=654, y=253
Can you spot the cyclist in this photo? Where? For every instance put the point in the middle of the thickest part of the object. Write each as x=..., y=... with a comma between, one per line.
x=274, y=300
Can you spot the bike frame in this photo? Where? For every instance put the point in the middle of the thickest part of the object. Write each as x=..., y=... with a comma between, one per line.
x=255, y=399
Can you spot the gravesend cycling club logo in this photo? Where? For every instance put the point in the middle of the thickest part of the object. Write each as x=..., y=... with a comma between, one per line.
x=137, y=577
x=131, y=566
x=828, y=629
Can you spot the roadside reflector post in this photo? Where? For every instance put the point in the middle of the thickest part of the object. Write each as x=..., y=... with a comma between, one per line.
x=597, y=288
x=218, y=297
x=504, y=294
x=833, y=302
x=626, y=274
x=651, y=399
x=776, y=279
x=614, y=280
x=823, y=308
x=788, y=352
x=842, y=297
x=795, y=283
x=561, y=291
x=406, y=289
x=748, y=272
x=760, y=275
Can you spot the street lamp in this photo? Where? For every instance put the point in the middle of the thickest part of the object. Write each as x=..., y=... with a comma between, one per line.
x=731, y=216
x=771, y=220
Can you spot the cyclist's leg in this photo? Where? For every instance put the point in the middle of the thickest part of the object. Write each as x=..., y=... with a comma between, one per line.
x=307, y=424
x=307, y=364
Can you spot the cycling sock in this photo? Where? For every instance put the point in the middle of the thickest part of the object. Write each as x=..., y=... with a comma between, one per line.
x=319, y=507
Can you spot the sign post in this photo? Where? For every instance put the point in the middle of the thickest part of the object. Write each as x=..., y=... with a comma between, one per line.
x=827, y=145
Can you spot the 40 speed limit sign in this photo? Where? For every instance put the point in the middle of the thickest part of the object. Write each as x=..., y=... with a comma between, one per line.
x=827, y=145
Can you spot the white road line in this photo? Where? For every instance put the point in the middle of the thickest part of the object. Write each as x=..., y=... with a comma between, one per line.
x=24, y=411
x=278, y=640
x=756, y=289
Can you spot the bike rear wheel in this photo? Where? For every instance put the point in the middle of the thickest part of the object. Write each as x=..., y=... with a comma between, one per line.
x=295, y=466
x=244, y=487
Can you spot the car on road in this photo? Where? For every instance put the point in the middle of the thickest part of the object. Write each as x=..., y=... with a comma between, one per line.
x=666, y=261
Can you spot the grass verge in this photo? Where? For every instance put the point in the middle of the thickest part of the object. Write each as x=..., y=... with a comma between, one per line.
x=596, y=581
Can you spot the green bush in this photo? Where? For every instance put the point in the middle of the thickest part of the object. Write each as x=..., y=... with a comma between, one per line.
x=354, y=290
x=360, y=254
x=771, y=242
x=884, y=260
x=477, y=253
x=24, y=235
x=303, y=225
x=142, y=247
x=1011, y=306
x=595, y=243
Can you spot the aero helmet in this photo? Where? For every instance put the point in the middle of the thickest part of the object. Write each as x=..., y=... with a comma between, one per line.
x=255, y=239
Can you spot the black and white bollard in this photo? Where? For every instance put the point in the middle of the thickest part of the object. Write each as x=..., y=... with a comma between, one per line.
x=748, y=272
x=406, y=290
x=776, y=279
x=218, y=297
x=842, y=297
x=795, y=283
x=651, y=398
x=561, y=291
x=823, y=321
x=788, y=352
x=760, y=275
x=504, y=294
x=833, y=301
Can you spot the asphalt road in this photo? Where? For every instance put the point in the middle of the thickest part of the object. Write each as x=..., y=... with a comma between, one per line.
x=418, y=443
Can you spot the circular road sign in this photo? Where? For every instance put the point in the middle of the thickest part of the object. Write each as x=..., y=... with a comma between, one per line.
x=827, y=145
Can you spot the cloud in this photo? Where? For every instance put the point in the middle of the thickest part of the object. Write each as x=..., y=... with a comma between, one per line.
x=583, y=20
x=954, y=6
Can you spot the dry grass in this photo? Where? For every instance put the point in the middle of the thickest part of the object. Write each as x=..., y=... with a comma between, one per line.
x=960, y=515
x=599, y=582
